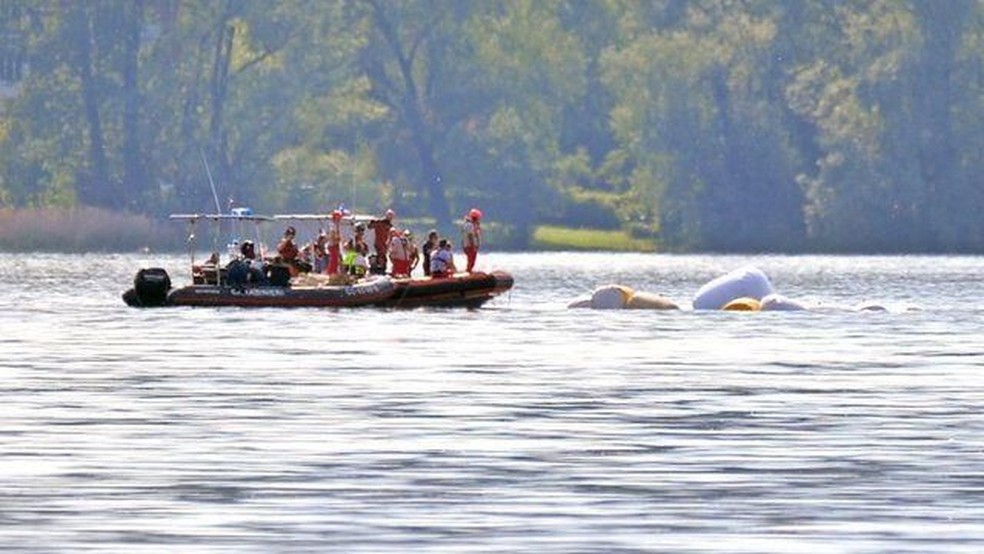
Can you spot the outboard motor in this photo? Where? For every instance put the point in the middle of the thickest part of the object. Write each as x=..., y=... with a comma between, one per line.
x=150, y=288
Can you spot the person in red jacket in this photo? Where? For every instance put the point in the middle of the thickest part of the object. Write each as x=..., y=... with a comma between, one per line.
x=335, y=244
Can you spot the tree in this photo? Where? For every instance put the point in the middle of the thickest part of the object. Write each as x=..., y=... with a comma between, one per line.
x=403, y=62
x=536, y=79
x=244, y=80
x=952, y=201
x=697, y=115
x=703, y=124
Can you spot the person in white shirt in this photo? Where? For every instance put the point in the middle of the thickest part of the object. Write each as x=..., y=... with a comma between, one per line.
x=471, y=237
x=399, y=253
x=442, y=260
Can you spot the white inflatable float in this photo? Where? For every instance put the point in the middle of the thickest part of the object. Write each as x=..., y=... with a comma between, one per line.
x=580, y=302
x=779, y=303
x=650, y=301
x=611, y=297
x=618, y=297
x=744, y=289
x=744, y=282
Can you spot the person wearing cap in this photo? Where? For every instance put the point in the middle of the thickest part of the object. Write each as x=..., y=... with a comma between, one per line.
x=356, y=249
x=471, y=237
x=381, y=228
x=442, y=260
x=287, y=251
x=399, y=253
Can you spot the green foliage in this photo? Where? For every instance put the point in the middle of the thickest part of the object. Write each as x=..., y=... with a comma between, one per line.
x=700, y=125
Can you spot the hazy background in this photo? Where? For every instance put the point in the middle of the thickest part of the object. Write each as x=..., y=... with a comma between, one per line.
x=708, y=125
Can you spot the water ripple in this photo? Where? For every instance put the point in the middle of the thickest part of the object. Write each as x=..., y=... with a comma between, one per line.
x=520, y=427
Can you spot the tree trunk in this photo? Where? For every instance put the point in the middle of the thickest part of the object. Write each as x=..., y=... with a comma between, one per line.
x=941, y=24
x=95, y=189
x=221, y=63
x=134, y=178
x=437, y=201
x=728, y=176
x=410, y=102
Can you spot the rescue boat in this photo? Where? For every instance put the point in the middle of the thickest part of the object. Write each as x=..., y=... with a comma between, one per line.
x=152, y=288
x=232, y=285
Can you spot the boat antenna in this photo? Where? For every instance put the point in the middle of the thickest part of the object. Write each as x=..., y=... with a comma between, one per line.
x=218, y=211
x=211, y=183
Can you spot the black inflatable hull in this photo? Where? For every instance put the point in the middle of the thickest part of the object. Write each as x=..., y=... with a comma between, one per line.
x=366, y=294
x=282, y=297
x=470, y=290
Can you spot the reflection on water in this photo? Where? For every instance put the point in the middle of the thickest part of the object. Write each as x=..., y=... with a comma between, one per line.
x=521, y=426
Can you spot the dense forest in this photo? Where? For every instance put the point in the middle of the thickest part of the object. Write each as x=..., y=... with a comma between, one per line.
x=712, y=125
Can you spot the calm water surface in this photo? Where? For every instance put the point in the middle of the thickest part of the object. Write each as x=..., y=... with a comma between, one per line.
x=522, y=426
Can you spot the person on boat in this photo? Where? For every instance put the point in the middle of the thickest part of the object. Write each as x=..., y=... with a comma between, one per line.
x=257, y=274
x=289, y=254
x=428, y=248
x=413, y=251
x=356, y=250
x=207, y=272
x=286, y=249
x=471, y=236
x=335, y=243
x=318, y=252
x=399, y=253
x=442, y=260
x=381, y=228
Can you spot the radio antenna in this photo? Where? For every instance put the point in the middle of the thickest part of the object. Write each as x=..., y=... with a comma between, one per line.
x=211, y=183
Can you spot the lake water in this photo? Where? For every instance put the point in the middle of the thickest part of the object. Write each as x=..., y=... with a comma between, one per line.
x=523, y=426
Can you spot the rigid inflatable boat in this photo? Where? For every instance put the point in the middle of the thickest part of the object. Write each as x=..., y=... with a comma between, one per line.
x=239, y=283
x=152, y=288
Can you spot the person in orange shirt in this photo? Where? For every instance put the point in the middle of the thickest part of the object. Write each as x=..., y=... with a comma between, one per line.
x=286, y=249
x=290, y=255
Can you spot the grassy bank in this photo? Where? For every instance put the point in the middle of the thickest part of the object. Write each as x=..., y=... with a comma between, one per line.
x=561, y=238
x=83, y=230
